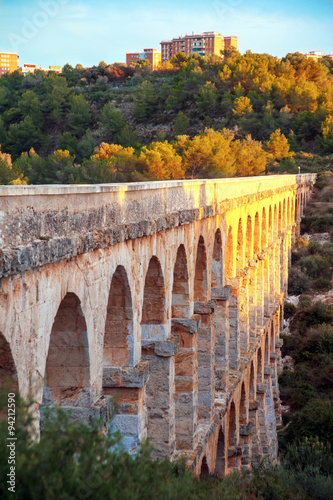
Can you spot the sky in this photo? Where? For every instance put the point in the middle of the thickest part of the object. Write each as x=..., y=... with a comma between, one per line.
x=56, y=32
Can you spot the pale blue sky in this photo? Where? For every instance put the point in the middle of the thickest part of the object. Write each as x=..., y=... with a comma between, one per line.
x=53, y=32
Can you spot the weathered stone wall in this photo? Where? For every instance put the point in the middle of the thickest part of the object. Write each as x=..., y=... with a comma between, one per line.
x=165, y=295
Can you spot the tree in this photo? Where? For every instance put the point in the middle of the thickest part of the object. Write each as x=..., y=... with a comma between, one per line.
x=110, y=163
x=162, y=161
x=180, y=124
x=6, y=168
x=57, y=96
x=206, y=99
x=179, y=60
x=208, y=154
x=251, y=159
x=30, y=105
x=79, y=116
x=242, y=106
x=68, y=141
x=23, y=136
x=111, y=121
x=86, y=145
x=61, y=168
x=278, y=145
x=146, y=101
x=33, y=166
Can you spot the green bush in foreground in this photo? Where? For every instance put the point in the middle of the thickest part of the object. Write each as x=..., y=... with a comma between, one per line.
x=73, y=461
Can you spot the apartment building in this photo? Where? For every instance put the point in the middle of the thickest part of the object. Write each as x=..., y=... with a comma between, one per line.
x=151, y=55
x=8, y=62
x=204, y=44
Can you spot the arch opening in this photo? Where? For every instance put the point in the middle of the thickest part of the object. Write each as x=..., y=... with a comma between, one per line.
x=153, y=309
x=200, y=278
x=248, y=247
x=118, y=338
x=217, y=262
x=67, y=374
x=240, y=246
x=220, y=455
x=180, y=307
x=8, y=372
x=229, y=257
x=256, y=239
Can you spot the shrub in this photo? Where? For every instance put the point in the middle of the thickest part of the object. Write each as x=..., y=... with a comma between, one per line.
x=298, y=282
x=315, y=419
x=289, y=309
x=322, y=284
x=314, y=315
x=314, y=266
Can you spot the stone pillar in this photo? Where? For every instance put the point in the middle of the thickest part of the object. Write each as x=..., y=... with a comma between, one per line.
x=244, y=312
x=186, y=382
x=160, y=394
x=221, y=298
x=254, y=284
x=205, y=356
x=267, y=283
x=272, y=451
x=234, y=325
x=127, y=385
x=260, y=293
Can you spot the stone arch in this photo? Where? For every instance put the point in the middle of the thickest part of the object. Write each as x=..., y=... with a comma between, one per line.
x=220, y=454
x=259, y=365
x=270, y=223
x=200, y=278
x=284, y=214
x=153, y=308
x=240, y=246
x=248, y=246
x=180, y=290
x=204, y=471
x=118, y=337
x=217, y=261
x=232, y=437
x=242, y=407
x=8, y=372
x=67, y=373
x=275, y=222
x=256, y=236
x=267, y=349
x=229, y=256
x=263, y=229
x=280, y=218
x=252, y=383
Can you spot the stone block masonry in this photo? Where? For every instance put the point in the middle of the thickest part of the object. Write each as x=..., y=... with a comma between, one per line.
x=164, y=296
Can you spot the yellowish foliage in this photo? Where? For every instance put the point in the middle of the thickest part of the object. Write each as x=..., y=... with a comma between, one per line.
x=106, y=151
x=302, y=242
x=162, y=161
x=251, y=159
x=327, y=126
x=209, y=153
x=278, y=145
x=20, y=181
x=242, y=106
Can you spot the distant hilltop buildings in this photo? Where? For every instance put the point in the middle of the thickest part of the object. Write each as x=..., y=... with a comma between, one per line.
x=30, y=68
x=9, y=62
x=317, y=54
x=204, y=44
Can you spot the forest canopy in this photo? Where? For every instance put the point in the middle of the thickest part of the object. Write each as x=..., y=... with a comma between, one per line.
x=195, y=117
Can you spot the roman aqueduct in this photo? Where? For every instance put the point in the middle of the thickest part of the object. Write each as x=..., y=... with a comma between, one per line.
x=166, y=295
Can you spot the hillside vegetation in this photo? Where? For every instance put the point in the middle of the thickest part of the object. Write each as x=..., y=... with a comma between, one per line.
x=197, y=117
